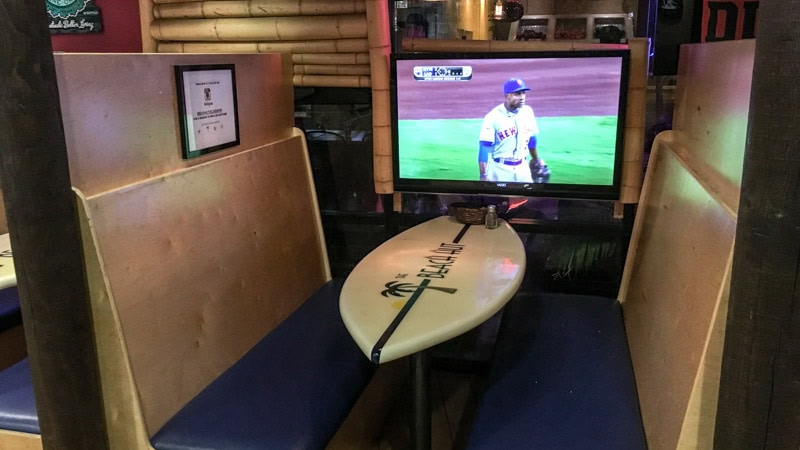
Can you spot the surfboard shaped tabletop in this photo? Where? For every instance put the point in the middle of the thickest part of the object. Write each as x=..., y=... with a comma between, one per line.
x=429, y=284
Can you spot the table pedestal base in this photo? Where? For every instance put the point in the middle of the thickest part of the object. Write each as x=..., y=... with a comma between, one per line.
x=421, y=407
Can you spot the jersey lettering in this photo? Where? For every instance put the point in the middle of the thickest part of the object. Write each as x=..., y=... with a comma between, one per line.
x=507, y=133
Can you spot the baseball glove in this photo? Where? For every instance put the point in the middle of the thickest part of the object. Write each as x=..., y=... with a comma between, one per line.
x=539, y=171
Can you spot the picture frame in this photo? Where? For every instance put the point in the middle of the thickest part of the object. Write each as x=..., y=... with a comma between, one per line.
x=208, y=108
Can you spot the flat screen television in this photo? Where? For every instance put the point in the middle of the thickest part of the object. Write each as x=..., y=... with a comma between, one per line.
x=441, y=105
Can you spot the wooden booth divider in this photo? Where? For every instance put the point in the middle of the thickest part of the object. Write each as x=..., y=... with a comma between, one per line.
x=181, y=252
x=675, y=287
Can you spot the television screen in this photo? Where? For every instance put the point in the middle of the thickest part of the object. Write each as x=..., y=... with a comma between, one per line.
x=544, y=124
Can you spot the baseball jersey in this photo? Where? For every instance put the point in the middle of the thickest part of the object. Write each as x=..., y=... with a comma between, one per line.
x=510, y=132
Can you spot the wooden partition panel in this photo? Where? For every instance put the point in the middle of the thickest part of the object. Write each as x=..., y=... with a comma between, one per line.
x=712, y=100
x=13, y=440
x=676, y=281
x=677, y=268
x=121, y=114
x=201, y=263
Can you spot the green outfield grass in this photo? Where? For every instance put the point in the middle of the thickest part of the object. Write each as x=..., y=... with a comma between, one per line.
x=578, y=150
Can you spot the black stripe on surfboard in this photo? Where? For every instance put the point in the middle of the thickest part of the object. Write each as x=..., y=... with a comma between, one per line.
x=378, y=348
x=461, y=234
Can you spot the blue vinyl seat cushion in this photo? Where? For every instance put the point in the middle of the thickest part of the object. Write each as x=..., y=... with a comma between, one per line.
x=562, y=378
x=17, y=403
x=292, y=390
x=10, y=314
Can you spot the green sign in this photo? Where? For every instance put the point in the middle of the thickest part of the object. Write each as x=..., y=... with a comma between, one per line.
x=64, y=9
x=74, y=16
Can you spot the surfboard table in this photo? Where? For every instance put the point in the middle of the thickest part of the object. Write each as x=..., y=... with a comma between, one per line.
x=424, y=286
x=8, y=276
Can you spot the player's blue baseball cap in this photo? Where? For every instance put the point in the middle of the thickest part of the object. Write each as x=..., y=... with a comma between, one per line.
x=514, y=85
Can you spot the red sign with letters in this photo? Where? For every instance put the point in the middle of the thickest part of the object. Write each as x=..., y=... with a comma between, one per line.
x=725, y=20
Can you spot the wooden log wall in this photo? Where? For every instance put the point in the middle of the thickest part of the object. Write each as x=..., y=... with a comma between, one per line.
x=334, y=43
x=327, y=38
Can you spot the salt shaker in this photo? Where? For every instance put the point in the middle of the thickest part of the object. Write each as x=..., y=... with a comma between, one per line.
x=491, y=217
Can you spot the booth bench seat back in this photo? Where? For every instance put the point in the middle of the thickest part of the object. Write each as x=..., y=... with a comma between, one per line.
x=565, y=364
x=675, y=287
x=191, y=263
x=188, y=271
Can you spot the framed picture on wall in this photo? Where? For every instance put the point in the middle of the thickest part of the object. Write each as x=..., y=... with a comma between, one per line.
x=208, y=108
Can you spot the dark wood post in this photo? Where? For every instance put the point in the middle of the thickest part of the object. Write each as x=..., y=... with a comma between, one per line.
x=759, y=399
x=45, y=236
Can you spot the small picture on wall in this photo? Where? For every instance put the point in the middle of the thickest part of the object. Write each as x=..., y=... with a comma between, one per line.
x=208, y=108
x=74, y=17
x=572, y=28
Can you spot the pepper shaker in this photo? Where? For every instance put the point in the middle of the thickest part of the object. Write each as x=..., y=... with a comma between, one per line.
x=491, y=217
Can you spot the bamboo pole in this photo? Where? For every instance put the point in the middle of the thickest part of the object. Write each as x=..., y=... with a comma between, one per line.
x=463, y=45
x=323, y=69
x=332, y=81
x=321, y=46
x=260, y=28
x=145, y=17
x=633, y=154
x=378, y=26
x=208, y=47
x=331, y=58
x=256, y=8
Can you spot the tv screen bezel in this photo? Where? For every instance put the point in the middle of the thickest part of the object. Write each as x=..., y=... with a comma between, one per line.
x=576, y=191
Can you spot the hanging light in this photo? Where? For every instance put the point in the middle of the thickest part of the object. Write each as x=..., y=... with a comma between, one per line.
x=498, y=10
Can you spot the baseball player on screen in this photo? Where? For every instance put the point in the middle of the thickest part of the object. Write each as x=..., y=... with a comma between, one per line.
x=508, y=135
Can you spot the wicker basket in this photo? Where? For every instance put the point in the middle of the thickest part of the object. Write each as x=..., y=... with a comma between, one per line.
x=468, y=213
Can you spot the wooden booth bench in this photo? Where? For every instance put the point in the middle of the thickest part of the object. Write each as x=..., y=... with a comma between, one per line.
x=640, y=370
x=215, y=317
x=221, y=323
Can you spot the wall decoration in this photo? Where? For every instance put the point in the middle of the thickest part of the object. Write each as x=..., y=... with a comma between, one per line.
x=208, y=108
x=729, y=20
x=74, y=16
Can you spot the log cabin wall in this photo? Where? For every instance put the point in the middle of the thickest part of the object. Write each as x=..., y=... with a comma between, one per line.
x=327, y=40
x=333, y=43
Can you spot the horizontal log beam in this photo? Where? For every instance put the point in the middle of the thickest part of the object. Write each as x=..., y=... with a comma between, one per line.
x=332, y=81
x=330, y=58
x=260, y=28
x=324, y=69
x=256, y=8
x=320, y=46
